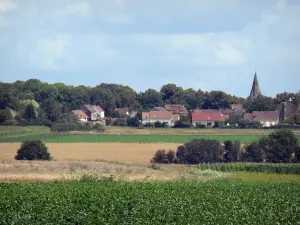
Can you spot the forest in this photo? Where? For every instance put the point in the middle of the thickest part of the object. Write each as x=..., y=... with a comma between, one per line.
x=47, y=103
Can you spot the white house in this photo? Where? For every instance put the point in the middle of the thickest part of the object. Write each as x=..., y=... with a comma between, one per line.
x=160, y=116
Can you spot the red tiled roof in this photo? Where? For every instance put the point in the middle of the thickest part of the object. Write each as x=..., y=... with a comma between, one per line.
x=176, y=108
x=199, y=115
x=99, y=108
x=80, y=114
x=237, y=108
x=157, y=115
x=262, y=116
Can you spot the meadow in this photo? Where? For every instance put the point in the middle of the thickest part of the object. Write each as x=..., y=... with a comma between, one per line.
x=110, y=202
x=125, y=138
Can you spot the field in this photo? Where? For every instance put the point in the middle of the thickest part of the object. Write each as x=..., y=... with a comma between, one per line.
x=105, y=202
x=131, y=135
x=122, y=152
x=108, y=179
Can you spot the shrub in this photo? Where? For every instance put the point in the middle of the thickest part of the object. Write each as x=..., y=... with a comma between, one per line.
x=163, y=157
x=157, y=124
x=33, y=150
x=100, y=127
x=200, y=151
x=232, y=151
x=280, y=147
x=253, y=153
x=5, y=114
x=201, y=126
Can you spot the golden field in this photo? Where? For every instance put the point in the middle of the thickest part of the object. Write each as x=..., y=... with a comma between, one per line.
x=121, y=152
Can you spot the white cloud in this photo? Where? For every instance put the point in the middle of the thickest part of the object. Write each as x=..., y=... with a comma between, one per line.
x=119, y=18
x=6, y=5
x=48, y=52
x=75, y=8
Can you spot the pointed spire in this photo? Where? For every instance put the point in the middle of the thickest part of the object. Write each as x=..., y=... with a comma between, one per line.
x=255, y=91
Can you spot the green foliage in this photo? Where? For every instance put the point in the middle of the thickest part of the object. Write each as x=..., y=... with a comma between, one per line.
x=30, y=113
x=279, y=168
x=200, y=151
x=100, y=127
x=183, y=122
x=253, y=153
x=200, y=126
x=5, y=114
x=280, y=146
x=261, y=103
x=101, y=202
x=33, y=150
x=163, y=157
x=133, y=122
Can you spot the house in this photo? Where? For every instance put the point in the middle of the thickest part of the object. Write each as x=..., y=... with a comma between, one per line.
x=161, y=116
x=287, y=110
x=93, y=112
x=158, y=109
x=236, y=109
x=176, y=109
x=207, y=118
x=266, y=118
x=126, y=112
x=81, y=115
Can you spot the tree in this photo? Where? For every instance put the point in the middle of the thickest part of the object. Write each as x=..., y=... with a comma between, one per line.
x=285, y=97
x=5, y=115
x=253, y=153
x=200, y=151
x=160, y=157
x=30, y=113
x=232, y=151
x=261, y=103
x=280, y=146
x=33, y=150
x=150, y=98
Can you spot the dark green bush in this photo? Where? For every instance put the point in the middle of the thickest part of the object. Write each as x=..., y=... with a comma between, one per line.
x=99, y=127
x=33, y=150
x=201, y=126
x=253, y=153
x=164, y=157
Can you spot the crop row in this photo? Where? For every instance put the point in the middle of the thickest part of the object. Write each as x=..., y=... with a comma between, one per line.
x=281, y=168
x=91, y=202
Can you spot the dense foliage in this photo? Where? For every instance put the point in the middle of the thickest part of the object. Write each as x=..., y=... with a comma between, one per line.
x=91, y=202
x=33, y=150
x=39, y=103
x=281, y=168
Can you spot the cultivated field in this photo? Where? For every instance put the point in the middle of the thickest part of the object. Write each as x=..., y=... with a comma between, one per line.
x=106, y=202
x=122, y=152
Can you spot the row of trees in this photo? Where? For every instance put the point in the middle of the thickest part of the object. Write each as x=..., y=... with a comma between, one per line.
x=46, y=103
x=279, y=147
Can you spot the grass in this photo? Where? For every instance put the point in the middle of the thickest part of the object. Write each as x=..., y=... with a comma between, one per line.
x=18, y=130
x=110, y=202
x=129, y=138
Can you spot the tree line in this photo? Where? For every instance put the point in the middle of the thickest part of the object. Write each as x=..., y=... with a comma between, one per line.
x=45, y=103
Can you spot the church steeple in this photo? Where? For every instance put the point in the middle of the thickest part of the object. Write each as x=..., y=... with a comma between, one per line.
x=255, y=91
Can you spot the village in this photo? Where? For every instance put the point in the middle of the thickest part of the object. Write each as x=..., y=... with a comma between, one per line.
x=170, y=114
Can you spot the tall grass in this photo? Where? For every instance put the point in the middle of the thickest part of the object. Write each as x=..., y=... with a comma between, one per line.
x=286, y=168
x=18, y=130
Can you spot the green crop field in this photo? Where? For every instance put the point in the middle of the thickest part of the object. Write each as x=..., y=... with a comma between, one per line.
x=17, y=130
x=123, y=138
x=279, y=168
x=92, y=202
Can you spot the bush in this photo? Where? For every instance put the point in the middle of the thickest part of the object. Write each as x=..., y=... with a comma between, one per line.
x=163, y=157
x=253, y=153
x=157, y=124
x=100, y=127
x=280, y=147
x=200, y=151
x=5, y=114
x=33, y=150
x=200, y=126
x=232, y=151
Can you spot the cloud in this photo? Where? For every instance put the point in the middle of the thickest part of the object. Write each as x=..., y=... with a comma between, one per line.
x=6, y=5
x=48, y=52
x=81, y=8
x=3, y=22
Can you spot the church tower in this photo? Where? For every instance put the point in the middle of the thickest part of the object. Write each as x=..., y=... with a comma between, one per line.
x=255, y=91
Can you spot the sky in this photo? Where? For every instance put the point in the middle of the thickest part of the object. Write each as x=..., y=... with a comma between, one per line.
x=200, y=44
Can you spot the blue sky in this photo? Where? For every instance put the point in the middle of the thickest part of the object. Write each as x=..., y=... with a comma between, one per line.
x=200, y=44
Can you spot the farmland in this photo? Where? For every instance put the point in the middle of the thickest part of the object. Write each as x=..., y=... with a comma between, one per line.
x=109, y=202
x=130, y=135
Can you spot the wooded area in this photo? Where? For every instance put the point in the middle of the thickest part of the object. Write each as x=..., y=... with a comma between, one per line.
x=47, y=103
